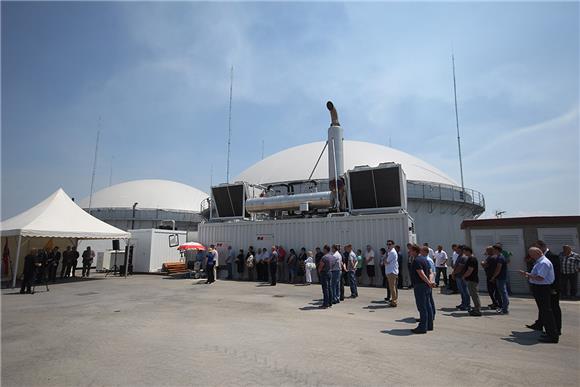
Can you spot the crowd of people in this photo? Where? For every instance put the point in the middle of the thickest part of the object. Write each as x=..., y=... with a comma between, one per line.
x=336, y=267
x=41, y=265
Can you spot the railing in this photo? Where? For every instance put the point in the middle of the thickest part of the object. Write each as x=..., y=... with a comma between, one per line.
x=434, y=191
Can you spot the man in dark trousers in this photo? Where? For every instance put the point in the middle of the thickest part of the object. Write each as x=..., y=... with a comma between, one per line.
x=54, y=260
x=74, y=258
x=88, y=256
x=555, y=290
x=65, y=269
x=28, y=273
x=541, y=279
x=273, y=262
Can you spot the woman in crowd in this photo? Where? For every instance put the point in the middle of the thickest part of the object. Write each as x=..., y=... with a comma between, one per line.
x=309, y=265
x=301, y=264
x=292, y=266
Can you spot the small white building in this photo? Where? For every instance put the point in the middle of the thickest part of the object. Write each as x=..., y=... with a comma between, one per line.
x=516, y=235
x=149, y=249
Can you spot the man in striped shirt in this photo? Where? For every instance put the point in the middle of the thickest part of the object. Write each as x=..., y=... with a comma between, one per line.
x=570, y=266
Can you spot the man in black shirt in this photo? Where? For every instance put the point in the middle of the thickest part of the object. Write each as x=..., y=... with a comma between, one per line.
x=317, y=258
x=28, y=273
x=555, y=297
x=470, y=276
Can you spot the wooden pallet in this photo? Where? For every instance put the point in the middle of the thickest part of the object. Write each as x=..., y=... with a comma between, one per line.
x=176, y=268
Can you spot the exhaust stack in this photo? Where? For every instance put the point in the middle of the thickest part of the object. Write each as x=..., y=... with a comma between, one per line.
x=336, y=158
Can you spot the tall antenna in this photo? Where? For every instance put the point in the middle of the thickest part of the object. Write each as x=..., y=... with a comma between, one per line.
x=262, y=149
x=230, y=124
x=111, y=172
x=94, y=166
x=457, y=122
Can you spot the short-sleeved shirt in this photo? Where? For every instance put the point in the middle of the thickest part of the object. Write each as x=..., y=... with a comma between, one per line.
x=352, y=261
x=544, y=269
x=419, y=263
x=490, y=265
x=231, y=256
x=326, y=260
x=370, y=254
x=472, y=262
x=431, y=264
x=210, y=258
x=431, y=253
x=461, y=260
x=360, y=261
x=392, y=264
x=440, y=258
x=503, y=273
x=335, y=261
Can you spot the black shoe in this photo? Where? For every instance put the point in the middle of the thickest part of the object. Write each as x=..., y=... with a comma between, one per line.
x=429, y=329
x=22, y=292
x=417, y=320
x=549, y=340
x=474, y=313
x=534, y=327
x=417, y=331
x=387, y=299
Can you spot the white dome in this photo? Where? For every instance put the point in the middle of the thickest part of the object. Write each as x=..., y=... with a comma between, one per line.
x=149, y=194
x=296, y=163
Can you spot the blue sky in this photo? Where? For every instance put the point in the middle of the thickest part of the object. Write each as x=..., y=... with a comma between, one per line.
x=158, y=76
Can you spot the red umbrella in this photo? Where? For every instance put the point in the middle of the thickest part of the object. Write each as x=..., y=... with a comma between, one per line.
x=191, y=246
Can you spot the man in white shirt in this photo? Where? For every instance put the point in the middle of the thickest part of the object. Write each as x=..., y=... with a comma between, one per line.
x=351, y=267
x=370, y=262
x=454, y=256
x=440, y=265
x=392, y=271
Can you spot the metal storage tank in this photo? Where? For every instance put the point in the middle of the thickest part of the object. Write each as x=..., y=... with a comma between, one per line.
x=142, y=204
x=436, y=202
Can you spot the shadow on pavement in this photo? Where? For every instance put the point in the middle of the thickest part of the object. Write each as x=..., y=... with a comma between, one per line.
x=379, y=302
x=310, y=308
x=408, y=320
x=398, y=332
x=466, y=314
x=374, y=307
x=523, y=338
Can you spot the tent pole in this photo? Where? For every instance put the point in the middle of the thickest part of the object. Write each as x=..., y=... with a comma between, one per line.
x=15, y=268
x=126, y=257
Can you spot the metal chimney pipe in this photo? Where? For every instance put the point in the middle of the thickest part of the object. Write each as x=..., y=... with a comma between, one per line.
x=335, y=149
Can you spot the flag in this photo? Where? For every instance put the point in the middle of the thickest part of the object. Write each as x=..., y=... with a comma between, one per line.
x=6, y=259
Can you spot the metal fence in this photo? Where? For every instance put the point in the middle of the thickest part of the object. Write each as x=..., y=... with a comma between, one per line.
x=434, y=191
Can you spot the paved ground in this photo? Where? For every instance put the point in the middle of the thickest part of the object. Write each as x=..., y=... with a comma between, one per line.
x=147, y=330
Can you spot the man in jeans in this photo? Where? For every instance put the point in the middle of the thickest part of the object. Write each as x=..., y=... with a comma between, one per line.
x=500, y=278
x=392, y=271
x=351, y=270
x=471, y=278
x=335, y=270
x=422, y=286
x=324, y=276
x=458, y=271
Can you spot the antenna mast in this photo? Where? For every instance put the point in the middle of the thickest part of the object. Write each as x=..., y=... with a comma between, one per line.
x=111, y=172
x=457, y=123
x=94, y=166
x=262, y=149
x=230, y=124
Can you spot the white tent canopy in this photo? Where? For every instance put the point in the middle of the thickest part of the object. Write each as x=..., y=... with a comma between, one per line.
x=57, y=217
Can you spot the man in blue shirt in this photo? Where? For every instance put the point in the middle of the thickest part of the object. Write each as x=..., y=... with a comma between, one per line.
x=500, y=278
x=541, y=278
x=422, y=285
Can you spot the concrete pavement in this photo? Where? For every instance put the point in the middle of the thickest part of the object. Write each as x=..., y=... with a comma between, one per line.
x=148, y=330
